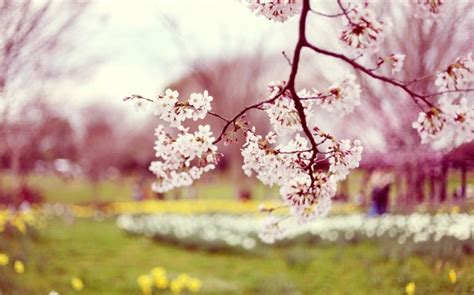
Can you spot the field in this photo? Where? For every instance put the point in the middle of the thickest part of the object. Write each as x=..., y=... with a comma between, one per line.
x=108, y=260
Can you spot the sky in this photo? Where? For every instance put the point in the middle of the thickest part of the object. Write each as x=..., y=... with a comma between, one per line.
x=144, y=45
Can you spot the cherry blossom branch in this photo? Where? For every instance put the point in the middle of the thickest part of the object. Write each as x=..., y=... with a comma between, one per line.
x=326, y=14
x=291, y=85
x=287, y=58
x=218, y=116
x=243, y=112
x=448, y=91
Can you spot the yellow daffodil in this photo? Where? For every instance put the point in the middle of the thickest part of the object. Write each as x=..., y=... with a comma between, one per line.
x=176, y=286
x=3, y=259
x=183, y=278
x=19, y=267
x=452, y=276
x=194, y=285
x=158, y=271
x=159, y=276
x=145, y=283
x=19, y=224
x=410, y=288
x=161, y=282
x=77, y=284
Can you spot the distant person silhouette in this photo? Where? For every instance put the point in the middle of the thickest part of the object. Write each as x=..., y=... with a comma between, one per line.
x=380, y=195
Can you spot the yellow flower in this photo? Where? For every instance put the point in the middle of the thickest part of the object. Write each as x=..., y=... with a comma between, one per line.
x=19, y=267
x=145, y=283
x=19, y=224
x=158, y=271
x=3, y=259
x=161, y=282
x=410, y=288
x=77, y=284
x=183, y=278
x=176, y=286
x=453, y=278
x=194, y=285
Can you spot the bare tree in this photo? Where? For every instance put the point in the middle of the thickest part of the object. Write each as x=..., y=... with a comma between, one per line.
x=35, y=38
x=429, y=46
x=35, y=44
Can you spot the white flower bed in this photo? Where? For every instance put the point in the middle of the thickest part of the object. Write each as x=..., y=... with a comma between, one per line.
x=241, y=231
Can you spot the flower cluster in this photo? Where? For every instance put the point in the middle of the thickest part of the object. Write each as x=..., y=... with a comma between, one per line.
x=77, y=284
x=290, y=162
x=309, y=198
x=276, y=10
x=171, y=110
x=340, y=97
x=362, y=32
x=396, y=61
x=241, y=231
x=281, y=110
x=308, y=194
x=273, y=165
x=20, y=221
x=428, y=8
x=182, y=159
x=452, y=122
x=429, y=124
x=458, y=75
x=159, y=279
x=343, y=156
x=271, y=230
x=185, y=157
x=458, y=127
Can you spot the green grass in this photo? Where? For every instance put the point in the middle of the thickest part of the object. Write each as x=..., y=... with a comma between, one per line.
x=109, y=262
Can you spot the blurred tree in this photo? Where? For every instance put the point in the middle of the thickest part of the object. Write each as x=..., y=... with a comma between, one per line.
x=35, y=41
x=35, y=46
x=428, y=47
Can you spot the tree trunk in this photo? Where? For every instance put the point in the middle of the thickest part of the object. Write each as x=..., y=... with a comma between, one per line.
x=364, y=187
x=419, y=184
x=432, y=187
x=443, y=183
x=463, y=182
x=410, y=186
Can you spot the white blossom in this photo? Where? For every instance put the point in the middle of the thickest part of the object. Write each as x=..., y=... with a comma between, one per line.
x=302, y=192
x=428, y=9
x=282, y=112
x=430, y=124
x=271, y=230
x=201, y=103
x=183, y=159
x=341, y=97
x=320, y=208
x=165, y=104
x=276, y=10
x=343, y=156
x=449, y=126
x=396, y=62
x=273, y=164
x=458, y=75
x=363, y=32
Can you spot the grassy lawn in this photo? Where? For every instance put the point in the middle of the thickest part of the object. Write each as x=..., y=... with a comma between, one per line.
x=109, y=262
